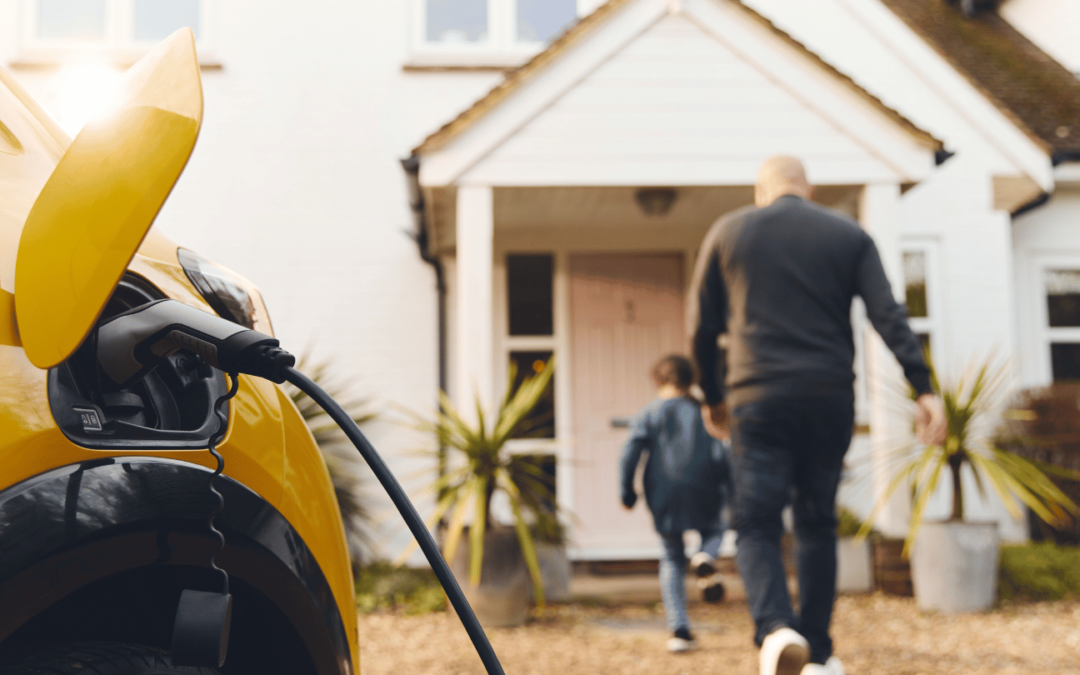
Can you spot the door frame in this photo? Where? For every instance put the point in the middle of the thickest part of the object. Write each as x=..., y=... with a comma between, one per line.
x=508, y=241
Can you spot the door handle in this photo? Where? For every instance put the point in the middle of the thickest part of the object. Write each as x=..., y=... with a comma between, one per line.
x=620, y=422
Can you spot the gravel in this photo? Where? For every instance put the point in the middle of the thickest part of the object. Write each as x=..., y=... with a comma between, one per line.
x=874, y=634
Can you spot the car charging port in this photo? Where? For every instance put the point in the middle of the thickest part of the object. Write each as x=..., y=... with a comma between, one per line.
x=172, y=407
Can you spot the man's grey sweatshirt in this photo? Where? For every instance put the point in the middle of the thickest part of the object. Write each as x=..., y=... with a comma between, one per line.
x=780, y=281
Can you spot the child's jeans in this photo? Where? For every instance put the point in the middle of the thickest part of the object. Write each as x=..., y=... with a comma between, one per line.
x=673, y=573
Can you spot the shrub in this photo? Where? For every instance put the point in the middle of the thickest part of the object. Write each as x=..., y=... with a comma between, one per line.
x=1039, y=572
x=382, y=586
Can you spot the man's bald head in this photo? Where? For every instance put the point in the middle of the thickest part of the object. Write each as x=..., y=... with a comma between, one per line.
x=780, y=176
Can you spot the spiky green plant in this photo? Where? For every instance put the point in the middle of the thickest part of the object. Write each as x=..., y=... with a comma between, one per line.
x=341, y=458
x=972, y=403
x=483, y=466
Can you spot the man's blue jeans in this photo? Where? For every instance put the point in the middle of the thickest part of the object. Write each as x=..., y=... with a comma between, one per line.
x=790, y=449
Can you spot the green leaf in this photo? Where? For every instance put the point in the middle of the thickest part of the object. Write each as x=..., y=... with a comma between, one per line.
x=476, y=532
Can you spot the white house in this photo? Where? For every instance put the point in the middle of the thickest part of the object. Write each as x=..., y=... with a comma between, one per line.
x=562, y=162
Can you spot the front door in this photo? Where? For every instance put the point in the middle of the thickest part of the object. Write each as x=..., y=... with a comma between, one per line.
x=626, y=312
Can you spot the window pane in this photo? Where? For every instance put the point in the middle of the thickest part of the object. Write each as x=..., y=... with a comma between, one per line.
x=457, y=21
x=1065, y=362
x=529, y=292
x=71, y=20
x=924, y=340
x=541, y=423
x=915, y=283
x=544, y=20
x=1063, y=297
x=158, y=19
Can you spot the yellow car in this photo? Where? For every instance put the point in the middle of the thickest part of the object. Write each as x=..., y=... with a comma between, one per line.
x=104, y=490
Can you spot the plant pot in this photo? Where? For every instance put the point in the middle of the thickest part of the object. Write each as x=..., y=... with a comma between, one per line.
x=854, y=574
x=504, y=594
x=954, y=566
x=554, y=571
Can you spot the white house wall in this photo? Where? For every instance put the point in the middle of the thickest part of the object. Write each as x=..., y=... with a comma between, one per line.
x=295, y=183
x=1046, y=236
x=1054, y=25
x=675, y=103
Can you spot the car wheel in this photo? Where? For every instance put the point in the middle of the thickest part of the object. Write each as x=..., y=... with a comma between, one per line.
x=99, y=658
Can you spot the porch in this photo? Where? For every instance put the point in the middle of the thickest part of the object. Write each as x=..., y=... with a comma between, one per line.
x=567, y=208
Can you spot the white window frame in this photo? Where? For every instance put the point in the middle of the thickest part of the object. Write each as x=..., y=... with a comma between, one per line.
x=1045, y=332
x=933, y=323
x=500, y=50
x=119, y=45
x=505, y=344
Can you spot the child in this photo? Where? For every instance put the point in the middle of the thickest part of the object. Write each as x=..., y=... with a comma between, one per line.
x=684, y=477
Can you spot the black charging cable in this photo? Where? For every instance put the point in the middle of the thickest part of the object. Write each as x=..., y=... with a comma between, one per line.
x=408, y=512
x=133, y=343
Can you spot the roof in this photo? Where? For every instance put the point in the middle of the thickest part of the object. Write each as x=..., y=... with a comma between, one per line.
x=1039, y=94
x=519, y=76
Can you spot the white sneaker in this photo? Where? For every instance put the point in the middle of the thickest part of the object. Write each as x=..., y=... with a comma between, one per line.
x=784, y=652
x=678, y=645
x=831, y=667
x=703, y=564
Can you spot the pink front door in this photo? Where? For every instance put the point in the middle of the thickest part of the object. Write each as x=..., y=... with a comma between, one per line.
x=626, y=311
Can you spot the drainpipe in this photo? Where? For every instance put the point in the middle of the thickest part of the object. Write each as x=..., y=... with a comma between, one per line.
x=421, y=234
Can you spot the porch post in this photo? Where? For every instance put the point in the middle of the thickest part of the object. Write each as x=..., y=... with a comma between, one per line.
x=474, y=329
x=889, y=419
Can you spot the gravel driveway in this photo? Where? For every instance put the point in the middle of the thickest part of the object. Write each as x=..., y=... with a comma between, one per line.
x=875, y=635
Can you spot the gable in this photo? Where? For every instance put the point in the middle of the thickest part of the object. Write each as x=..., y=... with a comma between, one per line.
x=677, y=106
x=692, y=94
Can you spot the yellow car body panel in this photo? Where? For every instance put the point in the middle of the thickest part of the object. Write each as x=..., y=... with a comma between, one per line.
x=51, y=295
x=100, y=200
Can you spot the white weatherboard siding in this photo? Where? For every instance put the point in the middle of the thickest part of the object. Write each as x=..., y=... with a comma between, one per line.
x=676, y=106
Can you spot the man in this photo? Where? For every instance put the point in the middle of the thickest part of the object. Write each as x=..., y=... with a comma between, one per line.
x=779, y=280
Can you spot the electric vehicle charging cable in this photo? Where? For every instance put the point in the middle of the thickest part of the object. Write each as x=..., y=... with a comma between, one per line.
x=133, y=343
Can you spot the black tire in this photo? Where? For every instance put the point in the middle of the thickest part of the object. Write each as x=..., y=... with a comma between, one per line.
x=99, y=658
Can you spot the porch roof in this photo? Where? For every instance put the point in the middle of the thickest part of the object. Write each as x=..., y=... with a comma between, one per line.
x=519, y=76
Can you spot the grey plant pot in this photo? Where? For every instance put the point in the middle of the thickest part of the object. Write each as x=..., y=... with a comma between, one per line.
x=503, y=596
x=555, y=571
x=854, y=573
x=954, y=566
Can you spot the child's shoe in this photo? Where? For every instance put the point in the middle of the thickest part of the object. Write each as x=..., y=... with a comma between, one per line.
x=681, y=642
x=712, y=590
x=703, y=564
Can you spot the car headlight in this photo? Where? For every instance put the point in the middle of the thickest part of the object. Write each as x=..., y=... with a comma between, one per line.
x=230, y=295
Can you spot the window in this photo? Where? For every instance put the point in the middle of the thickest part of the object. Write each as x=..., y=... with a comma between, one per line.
x=541, y=422
x=529, y=294
x=922, y=311
x=528, y=341
x=487, y=32
x=53, y=30
x=1062, y=289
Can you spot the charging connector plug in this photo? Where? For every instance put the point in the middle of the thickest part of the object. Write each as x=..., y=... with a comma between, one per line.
x=132, y=344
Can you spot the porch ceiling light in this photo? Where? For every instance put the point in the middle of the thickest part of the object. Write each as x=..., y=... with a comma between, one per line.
x=655, y=201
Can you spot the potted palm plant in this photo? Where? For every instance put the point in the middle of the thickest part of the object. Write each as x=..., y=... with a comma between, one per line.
x=954, y=562
x=496, y=567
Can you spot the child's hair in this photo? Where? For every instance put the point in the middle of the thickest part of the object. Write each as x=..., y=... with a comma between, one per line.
x=674, y=369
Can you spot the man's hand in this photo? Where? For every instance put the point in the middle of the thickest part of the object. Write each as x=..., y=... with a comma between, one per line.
x=930, y=423
x=715, y=418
